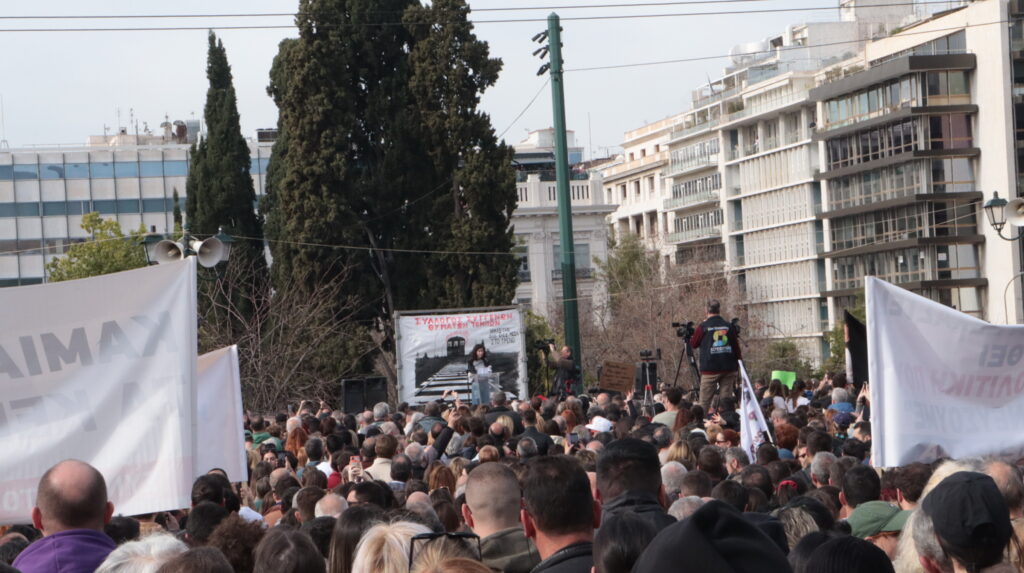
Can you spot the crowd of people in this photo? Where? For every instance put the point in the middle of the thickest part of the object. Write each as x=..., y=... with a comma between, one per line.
x=601, y=482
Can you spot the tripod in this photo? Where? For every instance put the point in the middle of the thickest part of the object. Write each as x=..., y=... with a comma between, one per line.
x=694, y=392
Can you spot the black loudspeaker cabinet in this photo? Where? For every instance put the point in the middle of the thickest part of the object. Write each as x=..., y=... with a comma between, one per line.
x=646, y=373
x=360, y=394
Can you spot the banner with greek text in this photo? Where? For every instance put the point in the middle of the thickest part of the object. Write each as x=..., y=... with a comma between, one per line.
x=434, y=351
x=753, y=428
x=942, y=383
x=101, y=370
x=220, y=414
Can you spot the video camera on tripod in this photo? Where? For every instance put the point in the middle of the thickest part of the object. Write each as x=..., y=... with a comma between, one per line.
x=684, y=331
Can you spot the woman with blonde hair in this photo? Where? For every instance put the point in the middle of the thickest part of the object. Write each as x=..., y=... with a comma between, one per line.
x=385, y=548
x=431, y=553
x=681, y=452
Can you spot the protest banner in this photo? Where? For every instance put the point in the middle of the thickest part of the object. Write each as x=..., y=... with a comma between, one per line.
x=753, y=428
x=433, y=351
x=220, y=414
x=101, y=370
x=942, y=383
x=618, y=377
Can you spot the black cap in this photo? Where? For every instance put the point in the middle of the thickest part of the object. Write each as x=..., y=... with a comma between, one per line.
x=968, y=511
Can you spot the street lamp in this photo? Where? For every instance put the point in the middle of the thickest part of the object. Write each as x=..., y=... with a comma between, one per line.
x=1000, y=212
x=208, y=252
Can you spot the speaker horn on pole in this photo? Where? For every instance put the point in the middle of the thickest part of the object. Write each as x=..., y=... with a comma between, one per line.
x=1015, y=212
x=209, y=251
x=167, y=251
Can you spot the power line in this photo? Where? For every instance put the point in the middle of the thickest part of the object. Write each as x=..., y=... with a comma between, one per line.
x=396, y=12
x=525, y=109
x=474, y=22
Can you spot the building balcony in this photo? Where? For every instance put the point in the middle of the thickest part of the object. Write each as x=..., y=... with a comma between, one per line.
x=690, y=200
x=737, y=225
x=693, y=235
x=524, y=276
x=581, y=273
x=678, y=167
x=684, y=132
x=765, y=107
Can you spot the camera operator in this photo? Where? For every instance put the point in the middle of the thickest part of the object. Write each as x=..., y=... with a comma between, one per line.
x=718, y=341
x=565, y=370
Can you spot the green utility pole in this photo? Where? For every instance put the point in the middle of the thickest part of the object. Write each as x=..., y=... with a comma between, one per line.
x=570, y=307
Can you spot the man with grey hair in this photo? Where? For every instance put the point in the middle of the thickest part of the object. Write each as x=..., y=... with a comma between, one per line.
x=821, y=466
x=330, y=505
x=415, y=453
x=672, y=474
x=493, y=501
x=841, y=401
x=145, y=554
x=685, y=507
x=736, y=459
x=526, y=449
x=381, y=413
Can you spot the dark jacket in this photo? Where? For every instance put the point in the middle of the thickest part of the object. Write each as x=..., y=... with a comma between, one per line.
x=645, y=505
x=543, y=441
x=72, y=551
x=575, y=558
x=509, y=551
x=719, y=345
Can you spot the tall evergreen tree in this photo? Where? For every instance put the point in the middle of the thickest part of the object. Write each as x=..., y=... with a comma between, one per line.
x=345, y=159
x=381, y=149
x=450, y=69
x=219, y=187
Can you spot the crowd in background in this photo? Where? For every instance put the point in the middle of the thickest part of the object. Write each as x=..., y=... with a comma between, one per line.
x=603, y=481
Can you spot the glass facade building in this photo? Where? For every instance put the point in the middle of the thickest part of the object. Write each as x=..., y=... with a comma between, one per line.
x=900, y=159
x=45, y=192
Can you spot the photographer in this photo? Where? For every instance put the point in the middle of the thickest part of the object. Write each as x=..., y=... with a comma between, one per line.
x=718, y=342
x=565, y=370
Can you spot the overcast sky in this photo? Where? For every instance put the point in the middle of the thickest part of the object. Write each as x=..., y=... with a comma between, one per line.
x=60, y=87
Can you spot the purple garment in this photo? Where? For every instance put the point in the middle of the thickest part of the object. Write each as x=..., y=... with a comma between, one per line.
x=72, y=551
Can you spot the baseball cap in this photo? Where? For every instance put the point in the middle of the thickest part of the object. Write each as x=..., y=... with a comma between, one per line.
x=968, y=511
x=843, y=419
x=873, y=517
x=600, y=424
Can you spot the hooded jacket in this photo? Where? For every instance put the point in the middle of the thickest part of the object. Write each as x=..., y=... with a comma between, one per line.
x=645, y=505
x=71, y=551
x=715, y=539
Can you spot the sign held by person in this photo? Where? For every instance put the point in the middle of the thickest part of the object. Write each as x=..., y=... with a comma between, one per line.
x=942, y=383
x=101, y=370
x=219, y=414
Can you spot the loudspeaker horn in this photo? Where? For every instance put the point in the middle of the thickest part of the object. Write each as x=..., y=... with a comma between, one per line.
x=167, y=251
x=1015, y=212
x=209, y=251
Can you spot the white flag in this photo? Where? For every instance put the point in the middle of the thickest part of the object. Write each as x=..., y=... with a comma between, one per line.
x=219, y=414
x=753, y=428
x=942, y=383
x=101, y=370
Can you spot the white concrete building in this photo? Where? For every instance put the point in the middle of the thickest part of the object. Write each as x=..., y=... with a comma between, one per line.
x=535, y=223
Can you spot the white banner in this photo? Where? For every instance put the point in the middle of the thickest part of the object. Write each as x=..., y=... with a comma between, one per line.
x=220, y=414
x=753, y=428
x=100, y=370
x=942, y=383
x=434, y=349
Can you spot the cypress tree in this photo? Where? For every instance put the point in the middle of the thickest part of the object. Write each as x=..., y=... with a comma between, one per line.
x=219, y=187
x=450, y=69
x=345, y=160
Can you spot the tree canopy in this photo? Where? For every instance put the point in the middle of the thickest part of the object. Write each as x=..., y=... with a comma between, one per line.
x=106, y=251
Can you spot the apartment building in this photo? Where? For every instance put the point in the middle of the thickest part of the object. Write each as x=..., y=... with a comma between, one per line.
x=913, y=135
x=740, y=190
x=634, y=183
